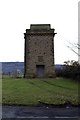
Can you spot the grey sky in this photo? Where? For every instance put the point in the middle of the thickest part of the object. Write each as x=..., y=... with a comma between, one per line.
x=17, y=15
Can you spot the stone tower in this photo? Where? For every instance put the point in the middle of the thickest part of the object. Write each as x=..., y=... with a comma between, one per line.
x=39, y=51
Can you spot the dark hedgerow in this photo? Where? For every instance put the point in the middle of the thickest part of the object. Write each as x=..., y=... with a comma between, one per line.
x=70, y=69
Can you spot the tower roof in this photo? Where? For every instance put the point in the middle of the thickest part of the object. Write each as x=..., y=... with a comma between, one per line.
x=40, y=27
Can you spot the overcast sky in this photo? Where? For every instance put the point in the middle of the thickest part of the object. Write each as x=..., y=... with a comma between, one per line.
x=17, y=15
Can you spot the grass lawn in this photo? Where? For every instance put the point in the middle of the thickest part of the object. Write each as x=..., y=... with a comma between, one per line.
x=34, y=91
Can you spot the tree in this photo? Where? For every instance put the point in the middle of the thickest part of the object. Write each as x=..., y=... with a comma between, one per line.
x=74, y=47
x=71, y=69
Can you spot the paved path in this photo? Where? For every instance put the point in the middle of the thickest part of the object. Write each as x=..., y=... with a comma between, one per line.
x=41, y=113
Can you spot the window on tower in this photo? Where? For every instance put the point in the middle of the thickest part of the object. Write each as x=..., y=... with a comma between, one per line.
x=40, y=58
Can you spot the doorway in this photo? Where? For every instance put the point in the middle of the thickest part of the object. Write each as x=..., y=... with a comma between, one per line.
x=40, y=69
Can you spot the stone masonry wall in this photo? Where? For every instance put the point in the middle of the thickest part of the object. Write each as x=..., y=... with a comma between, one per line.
x=39, y=51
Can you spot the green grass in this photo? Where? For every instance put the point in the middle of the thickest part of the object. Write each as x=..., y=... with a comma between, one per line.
x=34, y=91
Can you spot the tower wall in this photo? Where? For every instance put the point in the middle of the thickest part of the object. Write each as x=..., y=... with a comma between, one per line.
x=39, y=53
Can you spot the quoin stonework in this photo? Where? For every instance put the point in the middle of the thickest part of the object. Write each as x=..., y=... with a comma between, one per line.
x=39, y=51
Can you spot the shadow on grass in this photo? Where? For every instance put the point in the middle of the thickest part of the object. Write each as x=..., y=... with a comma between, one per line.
x=47, y=90
x=57, y=85
x=38, y=86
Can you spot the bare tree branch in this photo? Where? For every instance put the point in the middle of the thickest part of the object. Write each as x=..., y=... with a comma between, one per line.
x=72, y=46
x=73, y=50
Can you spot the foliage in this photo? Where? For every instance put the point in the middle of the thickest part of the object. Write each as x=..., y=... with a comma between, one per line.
x=71, y=69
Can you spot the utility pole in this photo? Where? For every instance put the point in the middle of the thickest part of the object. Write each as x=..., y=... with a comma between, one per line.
x=79, y=32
